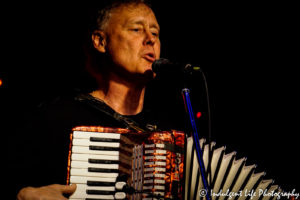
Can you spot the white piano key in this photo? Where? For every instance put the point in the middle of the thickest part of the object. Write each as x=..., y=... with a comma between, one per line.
x=86, y=157
x=84, y=187
x=83, y=134
x=83, y=179
x=81, y=196
x=81, y=164
x=85, y=172
x=86, y=150
x=87, y=142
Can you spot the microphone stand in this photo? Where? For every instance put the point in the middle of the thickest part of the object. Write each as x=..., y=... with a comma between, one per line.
x=187, y=71
x=187, y=102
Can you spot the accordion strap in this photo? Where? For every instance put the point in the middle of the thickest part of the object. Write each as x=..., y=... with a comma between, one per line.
x=104, y=108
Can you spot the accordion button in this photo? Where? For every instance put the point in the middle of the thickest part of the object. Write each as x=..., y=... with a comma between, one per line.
x=120, y=195
x=120, y=185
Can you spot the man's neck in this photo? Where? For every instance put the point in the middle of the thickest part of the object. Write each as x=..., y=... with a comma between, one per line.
x=126, y=99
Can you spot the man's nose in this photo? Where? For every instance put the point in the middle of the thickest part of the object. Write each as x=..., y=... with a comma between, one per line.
x=149, y=38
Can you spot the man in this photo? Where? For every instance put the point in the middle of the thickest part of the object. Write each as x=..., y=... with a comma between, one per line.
x=127, y=41
x=130, y=41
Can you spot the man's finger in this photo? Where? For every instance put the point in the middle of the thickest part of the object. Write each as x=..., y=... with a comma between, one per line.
x=67, y=189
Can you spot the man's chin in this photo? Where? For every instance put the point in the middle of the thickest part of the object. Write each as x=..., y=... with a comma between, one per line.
x=147, y=76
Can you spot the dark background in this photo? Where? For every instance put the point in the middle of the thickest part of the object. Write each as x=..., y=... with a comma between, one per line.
x=246, y=50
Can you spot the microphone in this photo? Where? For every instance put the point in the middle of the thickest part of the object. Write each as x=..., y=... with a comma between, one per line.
x=164, y=65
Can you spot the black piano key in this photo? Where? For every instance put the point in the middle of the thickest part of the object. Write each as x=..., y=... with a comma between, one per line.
x=100, y=192
x=93, y=169
x=98, y=183
x=99, y=148
x=97, y=139
x=103, y=161
x=122, y=178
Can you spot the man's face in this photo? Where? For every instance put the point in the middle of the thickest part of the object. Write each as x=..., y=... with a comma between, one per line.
x=133, y=41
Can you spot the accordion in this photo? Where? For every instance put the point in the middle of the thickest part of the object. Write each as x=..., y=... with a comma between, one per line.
x=114, y=163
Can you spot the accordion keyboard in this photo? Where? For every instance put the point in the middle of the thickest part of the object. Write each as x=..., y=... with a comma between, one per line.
x=145, y=165
x=95, y=164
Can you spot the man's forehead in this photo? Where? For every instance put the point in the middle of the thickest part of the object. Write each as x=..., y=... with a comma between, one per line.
x=142, y=21
x=134, y=14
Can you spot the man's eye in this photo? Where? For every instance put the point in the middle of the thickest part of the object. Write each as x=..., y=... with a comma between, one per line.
x=155, y=34
x=136, y=29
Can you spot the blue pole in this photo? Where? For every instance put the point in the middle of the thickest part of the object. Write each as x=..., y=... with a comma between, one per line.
x=199, y=151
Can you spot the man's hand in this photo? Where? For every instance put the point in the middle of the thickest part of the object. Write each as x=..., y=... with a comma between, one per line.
x=49, y=192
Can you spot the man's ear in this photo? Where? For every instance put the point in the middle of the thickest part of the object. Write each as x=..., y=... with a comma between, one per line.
x=99, y=40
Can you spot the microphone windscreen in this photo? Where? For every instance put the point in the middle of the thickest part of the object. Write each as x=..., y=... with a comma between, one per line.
x=160, y=63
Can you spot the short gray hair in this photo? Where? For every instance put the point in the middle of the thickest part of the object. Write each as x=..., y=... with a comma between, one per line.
x=103, y=14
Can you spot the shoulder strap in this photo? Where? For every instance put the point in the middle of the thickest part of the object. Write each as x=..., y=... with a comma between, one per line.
x=102, y=107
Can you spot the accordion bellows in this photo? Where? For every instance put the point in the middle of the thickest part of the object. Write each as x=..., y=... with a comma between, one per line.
x=229, y=177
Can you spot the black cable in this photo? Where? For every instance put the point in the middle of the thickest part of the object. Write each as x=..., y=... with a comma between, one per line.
x=209, y=127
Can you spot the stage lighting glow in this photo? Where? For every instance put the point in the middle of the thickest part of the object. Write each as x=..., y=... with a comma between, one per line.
x=199, y=114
